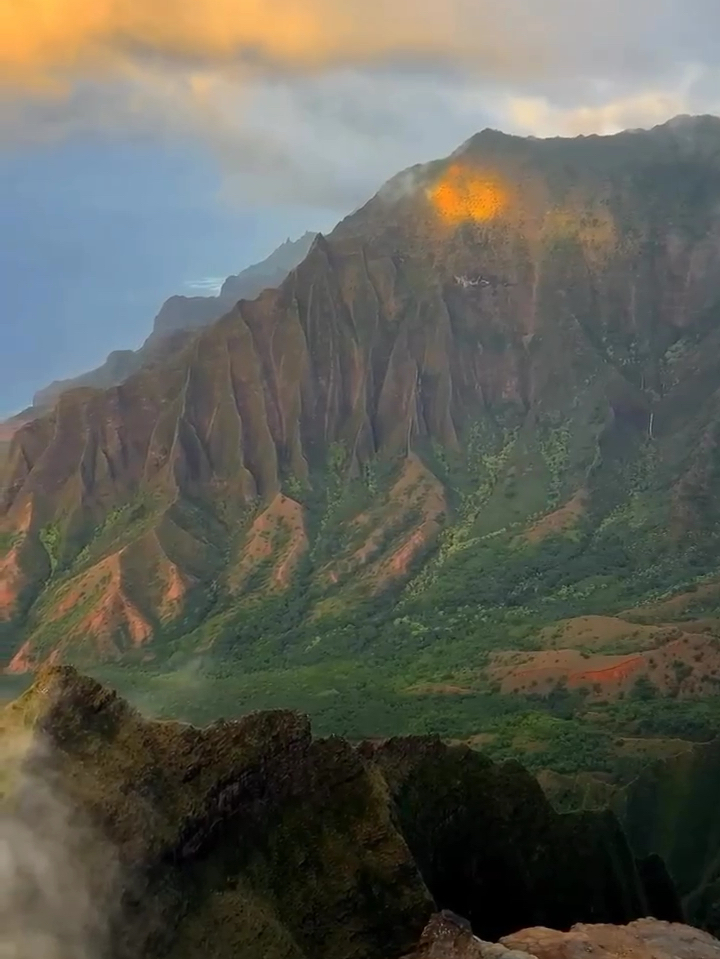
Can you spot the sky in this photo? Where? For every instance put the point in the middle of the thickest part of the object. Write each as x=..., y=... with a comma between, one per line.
x=151, y=147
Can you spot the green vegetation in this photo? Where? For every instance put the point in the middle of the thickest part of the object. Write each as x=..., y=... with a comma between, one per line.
x=413, y=657
x=562, y=732
x=562, y=422
x=51, y=538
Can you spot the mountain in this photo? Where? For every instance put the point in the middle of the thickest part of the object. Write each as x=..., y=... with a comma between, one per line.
x=119, y=365
x=193, y=312
x=180, y=314
x=124, y=837
x=470, y=444
x=8, y=429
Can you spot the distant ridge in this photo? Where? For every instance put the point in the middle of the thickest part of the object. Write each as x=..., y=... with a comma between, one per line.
x=179, y=314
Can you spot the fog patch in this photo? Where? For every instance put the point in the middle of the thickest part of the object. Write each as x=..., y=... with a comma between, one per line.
x=406, y=185
x=57, y=876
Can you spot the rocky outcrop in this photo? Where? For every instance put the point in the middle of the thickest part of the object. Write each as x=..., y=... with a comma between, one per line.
x=252, y=838
x=644, y=939
x=446, y=937
x=449, y=936
x=245, y=838
x=491, y=848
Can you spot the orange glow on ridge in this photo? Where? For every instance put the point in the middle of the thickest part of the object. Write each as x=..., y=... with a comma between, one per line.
x=465, y=193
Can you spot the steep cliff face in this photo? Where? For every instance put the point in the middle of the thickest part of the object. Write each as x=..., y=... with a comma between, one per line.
x=250, y=838
x=670, y=815
x=491, y=848
x=671, y=810
x=178, y=315
x=519, y=340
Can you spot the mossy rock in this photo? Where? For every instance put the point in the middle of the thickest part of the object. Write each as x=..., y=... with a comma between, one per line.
x=242, y=839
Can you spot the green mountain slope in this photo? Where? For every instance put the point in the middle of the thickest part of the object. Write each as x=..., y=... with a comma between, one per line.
x=469, y=445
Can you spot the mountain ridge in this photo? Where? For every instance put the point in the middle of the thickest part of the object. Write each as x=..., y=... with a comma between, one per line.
x=179, y=314
x=515, y=342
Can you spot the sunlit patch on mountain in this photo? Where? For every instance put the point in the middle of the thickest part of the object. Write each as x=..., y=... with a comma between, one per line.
x=467, y=193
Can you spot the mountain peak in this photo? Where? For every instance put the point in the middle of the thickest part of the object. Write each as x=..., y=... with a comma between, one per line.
x=511, y=346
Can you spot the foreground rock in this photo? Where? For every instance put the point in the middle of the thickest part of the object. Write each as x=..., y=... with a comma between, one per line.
x=491, y=848
x=250, y=839
x=447, y=937
x=644, y=939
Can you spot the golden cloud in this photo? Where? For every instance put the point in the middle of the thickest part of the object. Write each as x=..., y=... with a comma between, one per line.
x=47, y=41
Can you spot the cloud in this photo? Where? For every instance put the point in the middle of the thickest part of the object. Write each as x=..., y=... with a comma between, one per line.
x=48, y=41
x=539, y=116
x=334, y=140
x=58, y=879
x=536, y=116
x=206, y=286
x=318, y=102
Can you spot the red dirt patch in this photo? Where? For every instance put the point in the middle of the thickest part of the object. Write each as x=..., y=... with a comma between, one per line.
x=416, y=489
x=278, y=532
x=686, y=666
x=111, y=617
x=561, y=520
x=175, y=587
x=174, y=583
x=111, y=614
x=23, y=661
x=12, y=577
x=12, y=581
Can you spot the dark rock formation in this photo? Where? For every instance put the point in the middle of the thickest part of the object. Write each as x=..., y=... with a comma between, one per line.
x=252, y=839
x=243, y=839
x=491, y=848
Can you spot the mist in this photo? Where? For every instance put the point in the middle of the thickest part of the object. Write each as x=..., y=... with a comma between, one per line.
x=57, y=876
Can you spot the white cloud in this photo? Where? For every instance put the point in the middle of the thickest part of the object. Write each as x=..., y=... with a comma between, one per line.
x=330, y=135
x=205, y=286
x=539, y=116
